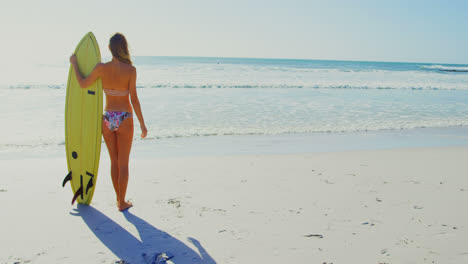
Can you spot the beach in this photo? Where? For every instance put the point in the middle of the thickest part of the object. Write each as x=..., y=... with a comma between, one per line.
x=249, y=161
x=265, y=132
x=401, y=205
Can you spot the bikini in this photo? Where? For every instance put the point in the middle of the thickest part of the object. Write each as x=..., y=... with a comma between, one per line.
x=113, y=119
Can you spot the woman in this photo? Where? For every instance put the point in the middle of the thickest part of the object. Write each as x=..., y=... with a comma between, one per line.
x=118, y=81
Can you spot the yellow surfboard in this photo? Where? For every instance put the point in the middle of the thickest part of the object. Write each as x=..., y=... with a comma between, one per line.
x=83, y=123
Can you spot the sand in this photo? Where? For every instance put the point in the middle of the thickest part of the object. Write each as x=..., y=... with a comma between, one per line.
x=381, y=206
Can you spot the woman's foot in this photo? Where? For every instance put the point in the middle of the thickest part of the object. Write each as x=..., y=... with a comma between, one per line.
x=125, y=205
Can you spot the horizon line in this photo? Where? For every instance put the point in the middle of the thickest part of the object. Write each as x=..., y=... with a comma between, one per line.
x=303, y=59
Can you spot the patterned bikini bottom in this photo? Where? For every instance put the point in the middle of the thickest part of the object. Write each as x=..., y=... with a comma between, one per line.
x=113, y=119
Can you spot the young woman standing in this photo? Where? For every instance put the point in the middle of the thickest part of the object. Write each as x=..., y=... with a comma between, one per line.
x=119, y=84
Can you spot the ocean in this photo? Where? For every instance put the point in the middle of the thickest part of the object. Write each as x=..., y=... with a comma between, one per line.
x=230, y=98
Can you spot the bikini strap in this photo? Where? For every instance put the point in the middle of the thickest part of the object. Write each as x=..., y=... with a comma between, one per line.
x=116, y=92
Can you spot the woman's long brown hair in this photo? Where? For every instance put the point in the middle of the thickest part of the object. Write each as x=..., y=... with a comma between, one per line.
x=119, y=48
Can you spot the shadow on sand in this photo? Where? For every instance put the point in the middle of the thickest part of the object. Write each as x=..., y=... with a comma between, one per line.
x=129, y=248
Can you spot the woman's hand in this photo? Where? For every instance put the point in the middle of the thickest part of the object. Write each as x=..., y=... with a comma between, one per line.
x=73, y=59
x=144, y=131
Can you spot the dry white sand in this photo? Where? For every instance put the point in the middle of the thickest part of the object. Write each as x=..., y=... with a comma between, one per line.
x=392, y=206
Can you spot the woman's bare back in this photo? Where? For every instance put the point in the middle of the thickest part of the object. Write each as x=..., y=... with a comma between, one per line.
x=117, y=76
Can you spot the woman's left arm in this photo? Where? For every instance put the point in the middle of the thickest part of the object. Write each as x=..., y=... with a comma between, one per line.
x=91, y=78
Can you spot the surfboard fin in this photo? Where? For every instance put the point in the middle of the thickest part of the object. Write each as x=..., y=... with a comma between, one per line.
x=90, y=184
x=67, y=179
x=78, y=193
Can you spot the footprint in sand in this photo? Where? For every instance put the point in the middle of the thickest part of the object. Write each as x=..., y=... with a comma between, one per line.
x=327, y=181
x=175, y=202
x=211, y=210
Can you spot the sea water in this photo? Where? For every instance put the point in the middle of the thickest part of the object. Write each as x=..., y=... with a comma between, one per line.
x=190, y=99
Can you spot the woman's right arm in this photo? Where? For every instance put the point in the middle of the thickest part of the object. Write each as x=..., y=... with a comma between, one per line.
x=91, y=78
x=136, y=103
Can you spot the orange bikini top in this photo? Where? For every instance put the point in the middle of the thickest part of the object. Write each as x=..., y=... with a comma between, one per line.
x=116, y=92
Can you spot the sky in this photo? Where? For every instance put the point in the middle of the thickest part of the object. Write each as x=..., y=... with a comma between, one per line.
x=404, y=31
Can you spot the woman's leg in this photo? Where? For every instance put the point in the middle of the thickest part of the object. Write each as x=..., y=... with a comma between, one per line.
x=110, y=137
x=124, y=142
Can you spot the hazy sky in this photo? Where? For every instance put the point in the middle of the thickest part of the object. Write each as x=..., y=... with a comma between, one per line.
x=409, y=30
